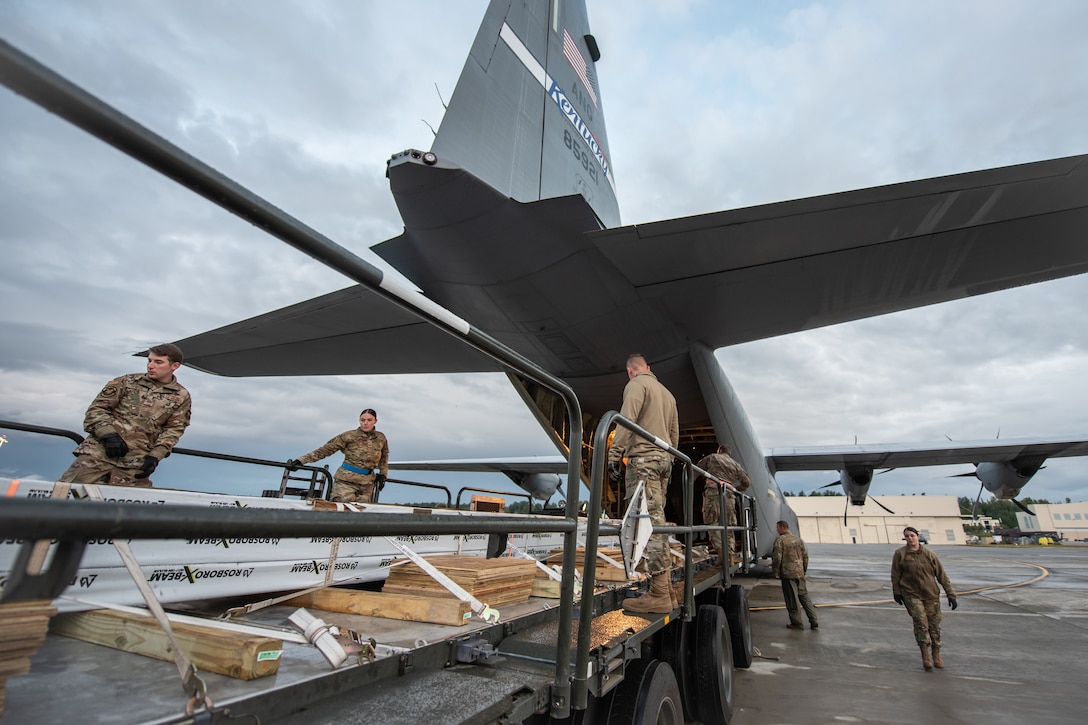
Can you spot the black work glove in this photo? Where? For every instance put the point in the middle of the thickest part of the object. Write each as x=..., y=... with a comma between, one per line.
x=953, y=603
x=379, y=481
x=614, y=471
x=293, y=464
x=115, y=445
x=148, y=467
x=898, y=598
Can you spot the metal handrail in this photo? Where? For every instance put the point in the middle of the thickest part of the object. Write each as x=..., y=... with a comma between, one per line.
x=72, y=435
x=463, y=489
x=420, y=484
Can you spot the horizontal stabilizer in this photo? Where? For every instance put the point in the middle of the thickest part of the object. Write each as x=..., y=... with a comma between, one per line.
x=905, y=455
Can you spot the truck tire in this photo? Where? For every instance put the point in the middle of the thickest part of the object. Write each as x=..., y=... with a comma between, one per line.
x=676, y=646
x=648, y=695
x=740, y=625
x=713, y=666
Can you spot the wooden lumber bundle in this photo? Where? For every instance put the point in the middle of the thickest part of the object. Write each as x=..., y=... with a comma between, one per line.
x=605, y=571
x=493, y=581
x=241, y=656
x=405, y=607
x=23, y=626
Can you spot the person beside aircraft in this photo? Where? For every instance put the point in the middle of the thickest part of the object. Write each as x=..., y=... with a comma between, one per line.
x=134, y=422
x=366, y=461
x=916, y=574
x=650, y=405
x=789, y=562
x=721, y=465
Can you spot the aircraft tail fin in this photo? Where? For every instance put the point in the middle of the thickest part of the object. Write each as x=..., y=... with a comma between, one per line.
x=527, y=116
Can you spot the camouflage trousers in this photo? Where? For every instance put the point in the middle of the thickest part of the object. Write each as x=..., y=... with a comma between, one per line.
x=350, y=487
x=653, y=472
x=795, y=594
x=926, y=614
x=712, y=516
x=91, y=469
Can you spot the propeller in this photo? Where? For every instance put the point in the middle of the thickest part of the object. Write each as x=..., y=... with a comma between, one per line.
x=1023, y=508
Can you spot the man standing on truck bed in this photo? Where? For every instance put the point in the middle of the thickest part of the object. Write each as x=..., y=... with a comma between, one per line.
x=722, y=465
x=648, y=404
x=133, y=424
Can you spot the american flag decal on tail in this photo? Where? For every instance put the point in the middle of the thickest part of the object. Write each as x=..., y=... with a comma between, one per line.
x=579, y=64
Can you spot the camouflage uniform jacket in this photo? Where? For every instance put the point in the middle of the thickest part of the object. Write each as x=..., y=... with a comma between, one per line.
x=725, y=468
x=916, y=574
x=789, y=558
x=649, y=404
x=362, y=450
x=149, y=416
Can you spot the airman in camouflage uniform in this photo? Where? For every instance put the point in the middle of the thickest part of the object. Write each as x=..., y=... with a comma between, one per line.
x=649, y=404
x=366, y=460
x=789, y=562
x=133, y=424
x=722, y=466
x=916, y=573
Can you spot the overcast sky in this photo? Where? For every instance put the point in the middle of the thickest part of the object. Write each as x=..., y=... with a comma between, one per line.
x=710, y=105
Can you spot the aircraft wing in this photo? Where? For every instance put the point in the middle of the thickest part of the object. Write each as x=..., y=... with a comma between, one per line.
x=747, y=274
x=353, y=330
x=907, y=455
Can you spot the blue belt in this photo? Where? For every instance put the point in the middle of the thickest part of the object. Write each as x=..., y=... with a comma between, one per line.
x=363, y=471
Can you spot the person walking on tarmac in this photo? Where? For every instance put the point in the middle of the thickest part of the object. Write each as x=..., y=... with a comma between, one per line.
x=916, y=574
x=789, y=562
x=648, y=404
x=133, y=423
x=366, y=461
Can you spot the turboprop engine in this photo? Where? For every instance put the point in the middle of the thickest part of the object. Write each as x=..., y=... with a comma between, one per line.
x=540, y=486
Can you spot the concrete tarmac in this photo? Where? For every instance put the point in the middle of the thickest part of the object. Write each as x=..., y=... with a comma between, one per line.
x=1014, y=650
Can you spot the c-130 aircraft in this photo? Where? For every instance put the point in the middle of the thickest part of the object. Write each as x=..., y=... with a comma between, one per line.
x=511, y=222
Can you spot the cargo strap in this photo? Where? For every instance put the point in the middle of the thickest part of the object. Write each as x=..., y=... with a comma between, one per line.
x=191, y=682
x=485, y=612
x=522, y=554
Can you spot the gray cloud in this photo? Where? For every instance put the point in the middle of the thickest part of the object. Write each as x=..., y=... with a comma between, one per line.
x=710, y=106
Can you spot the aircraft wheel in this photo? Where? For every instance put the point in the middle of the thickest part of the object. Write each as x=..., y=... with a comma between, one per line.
x=713, y=666
x=676, y=643
x=740, y=625
x=648, y=695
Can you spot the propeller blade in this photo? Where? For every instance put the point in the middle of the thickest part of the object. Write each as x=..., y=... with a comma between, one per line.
x=845, y=511
x=1023, y=508
x=829, y=485
x=974, y=509
x=962, y=475
x=881, y=505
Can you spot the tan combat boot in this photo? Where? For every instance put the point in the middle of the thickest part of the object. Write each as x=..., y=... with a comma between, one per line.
x=927, y=660
x=657, y=601
x=937, y=661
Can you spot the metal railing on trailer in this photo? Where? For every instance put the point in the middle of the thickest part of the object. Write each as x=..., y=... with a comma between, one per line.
x=74, y=523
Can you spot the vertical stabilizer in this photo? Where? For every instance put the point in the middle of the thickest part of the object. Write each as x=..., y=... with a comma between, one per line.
x=526, y=116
